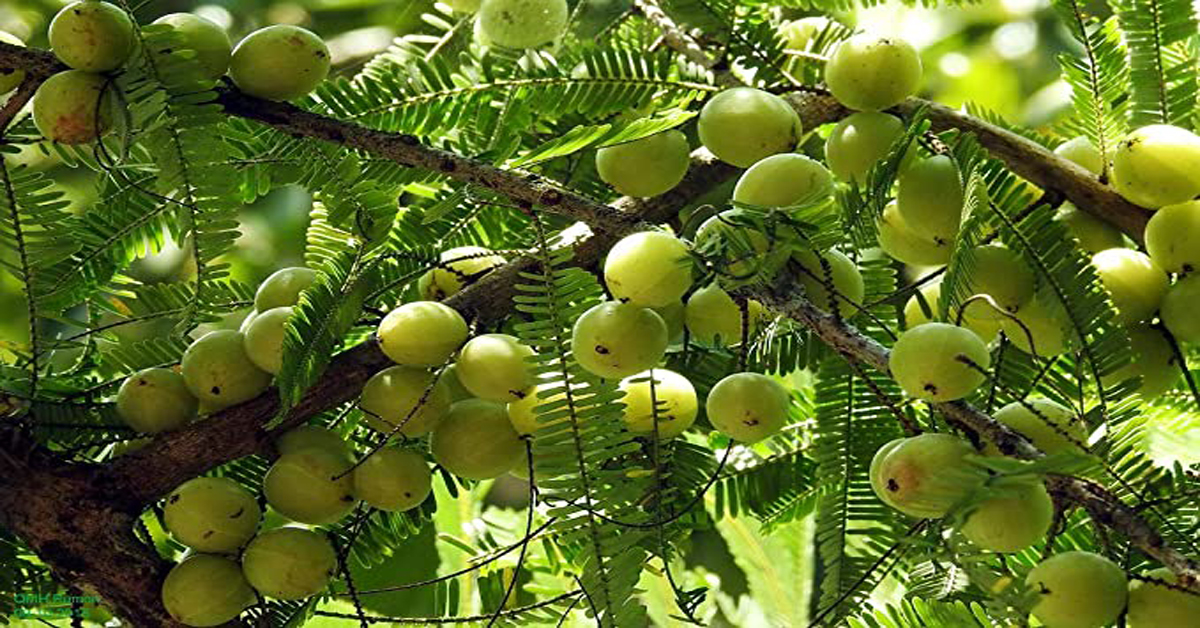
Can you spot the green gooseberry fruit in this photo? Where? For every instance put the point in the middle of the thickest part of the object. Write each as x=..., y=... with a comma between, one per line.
x=927, y=362
x=264, y=339
x=283, y=288
x=615, y=340
x=901, y=243
x=673, y=316
x=422, y=333
x=218, y=371
x=1135, y=283
x=742, y=125
x=393, y=397
x=748, y=407
x=305, y=486
x=523, y=23
x=784, y=180
x=206, y=590
x=1156, y=165
x=289, y=563
x=279, y=62
x=458, y=392
x=645, y=167
x=542, y=405
x=1180, y=310
x=1001, y=274
x=495, y=367
x=649, y=268
x=914, y=315
x=476, y=440
x=748, y=251
x=860, y=141
x=1152, y=605
x=73, y=107
x=799, y=35
x=1093, y=234
x=1049, y=425
x=459, y=267
x=156, y=400
x=925, y=476
x=831, y=267
x=1083, y=153
x=930, y=198
x=312, y=437
x=207, y=38
x=393, y=479
x=1011, y=521
x=675, y=411
x=1172, y=236
x=871, y=73
x=1154, y=361
x=211, y=514
x=713, y=317
x=92, y=36
x=881, y=454
x=1043, y=320
x=1077, y=590
x=9, y=78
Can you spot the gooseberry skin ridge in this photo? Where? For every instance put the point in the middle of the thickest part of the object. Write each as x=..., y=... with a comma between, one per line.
x=1077, y=590
x=676, y=409
x=1010, y=522
x=72, y=107
x=208, y=39
x=1043, y=320
x=283, y=287
x=10, y=79
x=615, y=340
x=279, y=62
x=848, y=285
x=784, y=180
x=312, y=436
x=860, y=141
x=156, y=400
x=495, y=367
x=645, y=167
x=925, y=362
x=289, y=563
x=202, y=579
x=218, y=371
x=522, y=23
x=899, y=241
x=1093, y=234
x=1134, y=282
x=1172, y=235
x=1156, y=165
x=211, y=514
x=301, y=486
x=924, y=476
x=1000, y=273
x=649, y=268
x=263, y=339
x=871, y=73
x=422, y=333
x=929, y=197
x=388, y=399
x=742, y=125
x=477, y=441
x=92, y=36
x=393, y=479
x=1152, y=605
x=747, y=407
x=1180, y=310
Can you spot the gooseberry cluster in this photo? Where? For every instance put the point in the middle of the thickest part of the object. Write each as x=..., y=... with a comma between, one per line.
x=96, y=38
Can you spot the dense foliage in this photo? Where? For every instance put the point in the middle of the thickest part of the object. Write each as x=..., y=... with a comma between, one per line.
x=687, y=312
